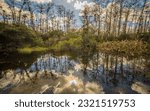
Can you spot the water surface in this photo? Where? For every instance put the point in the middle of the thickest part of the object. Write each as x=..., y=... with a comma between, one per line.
x=115, y=74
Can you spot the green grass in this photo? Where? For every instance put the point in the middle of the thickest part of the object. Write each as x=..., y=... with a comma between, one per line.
x=29, y=50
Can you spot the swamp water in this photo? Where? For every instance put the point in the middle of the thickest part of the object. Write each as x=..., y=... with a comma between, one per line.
x=114, y=74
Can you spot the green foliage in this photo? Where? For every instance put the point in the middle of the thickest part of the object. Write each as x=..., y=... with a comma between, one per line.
x=67, y=41
x=52, y=37
x=88, y=47
x=29, y=50
x=73, y=34
x=71, y=44
x=16, y=36
x=53, y=34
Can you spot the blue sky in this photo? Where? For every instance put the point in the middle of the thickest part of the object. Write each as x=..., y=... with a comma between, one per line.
x=74, y=5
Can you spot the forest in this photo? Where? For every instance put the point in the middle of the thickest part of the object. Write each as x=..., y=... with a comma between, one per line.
x=75, y=46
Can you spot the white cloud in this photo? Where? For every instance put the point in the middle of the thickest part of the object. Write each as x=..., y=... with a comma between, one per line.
x=41, y=1
x=69, y=1
x=79, y=5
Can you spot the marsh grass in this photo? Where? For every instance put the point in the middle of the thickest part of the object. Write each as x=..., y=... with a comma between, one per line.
x=133, y=48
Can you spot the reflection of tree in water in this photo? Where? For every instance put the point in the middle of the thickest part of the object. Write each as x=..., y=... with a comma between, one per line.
x=116, y=71
x=49, y=63
x=110, y=70
x=15, y=60
x=88, y=50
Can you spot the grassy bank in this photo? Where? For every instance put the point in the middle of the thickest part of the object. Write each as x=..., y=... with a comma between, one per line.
x=29, y=50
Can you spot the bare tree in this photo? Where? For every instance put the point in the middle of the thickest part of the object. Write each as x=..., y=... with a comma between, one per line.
x=120, y=15
x=41, y=9
x=31, y=10
x=128, y=6
x=69, y=17
x=110, y=18
x=85, y=18
x=60, y=11
x=21, y=5
x=3, y=14
x=140, y=19
x=24, y=17
x=49, y=14
x=12, y=6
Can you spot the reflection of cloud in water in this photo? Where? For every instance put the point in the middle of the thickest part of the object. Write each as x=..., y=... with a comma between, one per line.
x=111, y=81
x=74, y=85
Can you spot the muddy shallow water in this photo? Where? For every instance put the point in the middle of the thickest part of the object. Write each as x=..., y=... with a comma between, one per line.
x=114, y=74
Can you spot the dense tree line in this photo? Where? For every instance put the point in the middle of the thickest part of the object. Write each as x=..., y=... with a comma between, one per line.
x=105, y=17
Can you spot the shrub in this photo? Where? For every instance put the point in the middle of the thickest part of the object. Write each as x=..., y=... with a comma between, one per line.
x=14, y=36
